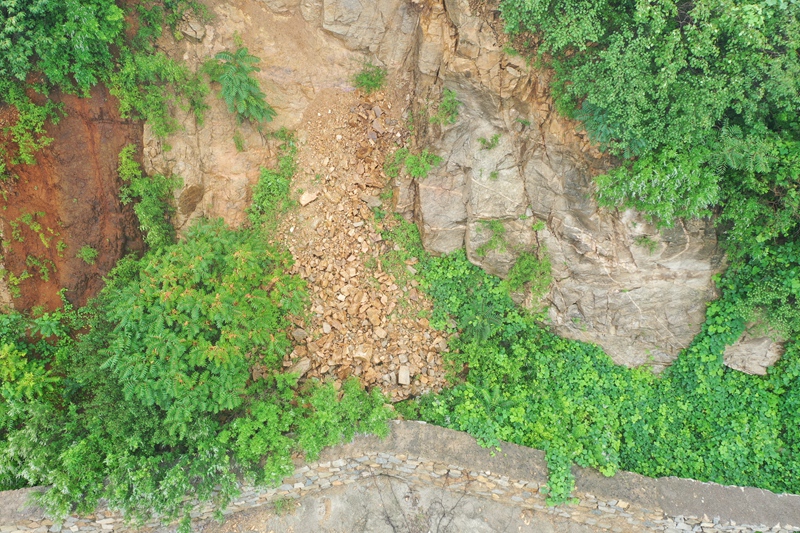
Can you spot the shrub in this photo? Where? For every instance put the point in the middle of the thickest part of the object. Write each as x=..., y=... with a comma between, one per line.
x=514, y=380
x=271, y=192
x=488, y=144
x=531, y=269
x=154, y=195
x=417, y=165
x=149, y=85
x=496, y=240
x=69, y=42
x=240, y=90
x=148, y=399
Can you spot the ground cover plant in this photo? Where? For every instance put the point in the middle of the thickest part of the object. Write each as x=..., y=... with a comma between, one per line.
x=699, y=104
x=370, y=78
x=516, y=381
x=417, y=165
x=447, y=111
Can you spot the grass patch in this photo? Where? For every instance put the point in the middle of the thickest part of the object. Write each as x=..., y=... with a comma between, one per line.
x=370, y=78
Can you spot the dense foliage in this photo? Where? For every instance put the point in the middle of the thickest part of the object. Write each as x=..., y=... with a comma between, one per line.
x=68, y=42
x=515, y=381
x=701, y=100
x=168, y=385
x=153, y=194
x=271, y=192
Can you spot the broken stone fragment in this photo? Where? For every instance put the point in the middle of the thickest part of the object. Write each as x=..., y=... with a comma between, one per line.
x=192, y=29
x=374, y=316
x=308, y=197
x=404, y=376
x=371, y=201
x=300, y=367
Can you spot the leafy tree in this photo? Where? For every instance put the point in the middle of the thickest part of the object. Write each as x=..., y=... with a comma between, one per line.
x=150, y=396
x=67, y=41
x=700, y=101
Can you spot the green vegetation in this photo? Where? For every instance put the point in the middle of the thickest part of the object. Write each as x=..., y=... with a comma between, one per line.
x=154, y=195
x=271, y=193
x=150, y=85
x=447, y=113
x=645, y=241
x=154, y=394
x=496, y=240
x=238, y=141
x=488, y=144
x=370, y=78
x=72, y=46
x=240, y=90
x=42, y=264
x=27, y=133
x=533, y=270
x=700, y=103
x=148, y=397
x=88, y=254
x=515, y=381
x=417, y=165
x=700, y=99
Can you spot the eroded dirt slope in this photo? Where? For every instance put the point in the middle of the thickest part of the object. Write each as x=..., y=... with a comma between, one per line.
x=67, y=201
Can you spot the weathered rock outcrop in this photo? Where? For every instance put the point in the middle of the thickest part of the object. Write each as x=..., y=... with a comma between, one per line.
x=619, y=282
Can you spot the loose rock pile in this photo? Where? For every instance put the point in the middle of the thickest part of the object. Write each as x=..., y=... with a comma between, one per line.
x=366, y=320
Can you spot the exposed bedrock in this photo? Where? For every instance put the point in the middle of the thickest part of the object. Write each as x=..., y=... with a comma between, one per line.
x=637, y=291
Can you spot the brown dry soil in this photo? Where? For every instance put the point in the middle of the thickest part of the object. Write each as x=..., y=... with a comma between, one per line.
x=367, y=313
x=68, y=200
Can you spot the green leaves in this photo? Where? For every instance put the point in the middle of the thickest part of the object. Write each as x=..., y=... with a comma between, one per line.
x=240, y=90
x=701, y=99
x=518, y=382
x=67, y=40
x=157, y=402
x=154, y=195
x=370, y=78
x=151, y=85
x=271, y=192
x=417, y=165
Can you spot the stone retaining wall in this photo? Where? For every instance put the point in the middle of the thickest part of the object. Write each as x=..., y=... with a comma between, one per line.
x=423, y=454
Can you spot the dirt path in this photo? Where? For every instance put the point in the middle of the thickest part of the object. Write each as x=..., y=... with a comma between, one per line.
x=367, y=320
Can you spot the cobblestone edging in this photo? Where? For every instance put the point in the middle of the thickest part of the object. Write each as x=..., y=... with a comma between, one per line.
x=601, y=513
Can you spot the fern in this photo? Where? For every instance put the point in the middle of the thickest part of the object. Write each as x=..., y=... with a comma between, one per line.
x=240, y=90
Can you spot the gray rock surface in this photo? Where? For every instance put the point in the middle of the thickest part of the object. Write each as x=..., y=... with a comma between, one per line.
x=638, y=292
x=755, y=351
x=619, y=282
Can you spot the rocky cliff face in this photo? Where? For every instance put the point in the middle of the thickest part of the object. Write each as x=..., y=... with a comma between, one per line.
x=638, y=292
